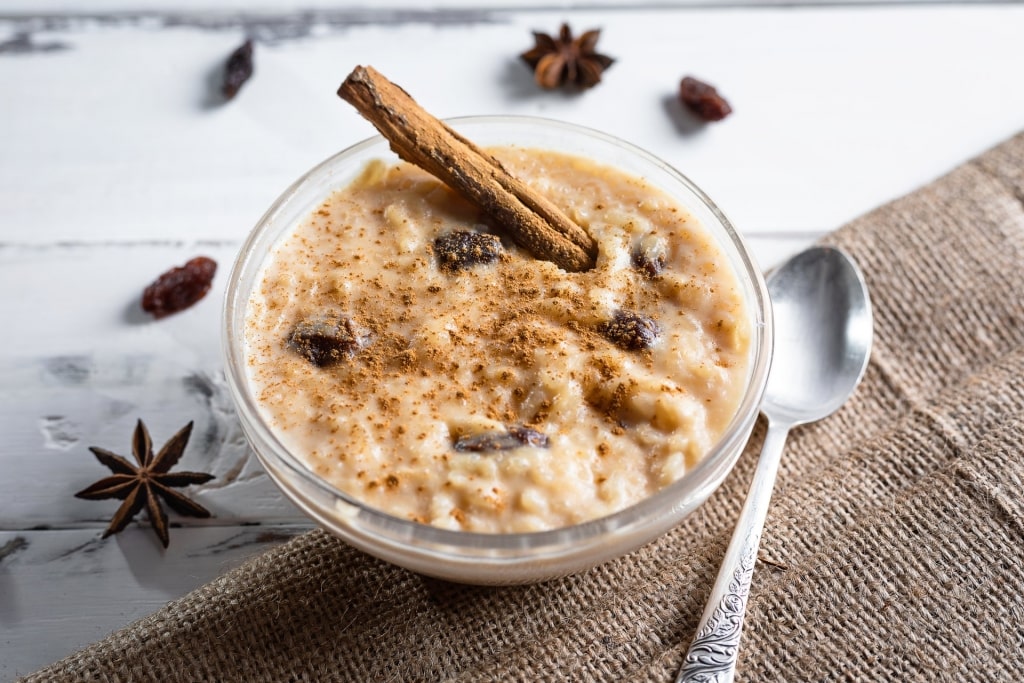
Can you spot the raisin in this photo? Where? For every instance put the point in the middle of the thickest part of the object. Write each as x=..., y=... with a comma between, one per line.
x=179, y=288
x=703, y=100
x=462, y=249
x=327, y=339
x=630, y=331
x=515, y=437
x=649, y=256
x=237, y=70
x=529, y=437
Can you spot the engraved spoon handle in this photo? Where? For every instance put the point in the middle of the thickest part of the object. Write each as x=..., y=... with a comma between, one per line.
x=712, y=654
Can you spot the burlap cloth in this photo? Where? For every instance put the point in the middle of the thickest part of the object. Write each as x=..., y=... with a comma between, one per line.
x=894, y=549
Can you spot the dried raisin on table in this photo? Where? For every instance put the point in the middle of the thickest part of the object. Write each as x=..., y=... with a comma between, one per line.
x=179, y=288
x=703, y=99
x=237, y=70
x=630, y=331
x=515, y=437
x=326, y=339
x=461, y=249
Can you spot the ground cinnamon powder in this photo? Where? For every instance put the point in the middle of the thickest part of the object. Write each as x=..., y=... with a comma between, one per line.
x=453, y=352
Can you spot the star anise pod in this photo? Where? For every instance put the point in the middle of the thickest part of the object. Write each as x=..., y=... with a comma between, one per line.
x=142, y=486
x=566, y=60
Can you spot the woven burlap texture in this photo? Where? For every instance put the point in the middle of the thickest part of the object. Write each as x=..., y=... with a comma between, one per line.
x=894, y=549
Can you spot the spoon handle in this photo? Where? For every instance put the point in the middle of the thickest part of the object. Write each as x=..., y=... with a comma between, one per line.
x=712, y=654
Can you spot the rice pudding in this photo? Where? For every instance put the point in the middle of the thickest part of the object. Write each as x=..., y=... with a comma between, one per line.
x=429, y=367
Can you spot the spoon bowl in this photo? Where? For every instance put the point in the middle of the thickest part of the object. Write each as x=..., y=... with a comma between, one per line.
x=823, y=335
x=822, y=315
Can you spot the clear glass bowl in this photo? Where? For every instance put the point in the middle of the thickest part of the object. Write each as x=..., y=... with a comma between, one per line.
x=480, y=558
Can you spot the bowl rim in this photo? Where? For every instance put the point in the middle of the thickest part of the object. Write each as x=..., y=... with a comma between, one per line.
x=707, y=474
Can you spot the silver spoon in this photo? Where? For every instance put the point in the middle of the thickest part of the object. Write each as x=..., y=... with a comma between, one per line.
x=822, y=343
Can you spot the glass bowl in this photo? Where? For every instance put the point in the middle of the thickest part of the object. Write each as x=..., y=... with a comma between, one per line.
x=483, y=558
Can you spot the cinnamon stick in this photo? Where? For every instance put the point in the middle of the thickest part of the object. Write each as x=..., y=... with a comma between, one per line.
x=416, y=136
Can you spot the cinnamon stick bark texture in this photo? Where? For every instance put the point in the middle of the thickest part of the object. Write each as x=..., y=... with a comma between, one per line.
x=416, y=136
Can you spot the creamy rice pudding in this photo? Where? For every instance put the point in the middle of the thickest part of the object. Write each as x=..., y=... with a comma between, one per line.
x=427, y=366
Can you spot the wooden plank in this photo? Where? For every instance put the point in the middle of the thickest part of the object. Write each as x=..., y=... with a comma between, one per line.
x=400, y=7
x=63, y=587
x=89, y=363
x=837, y=109
x=89, y=370
x=61, y=590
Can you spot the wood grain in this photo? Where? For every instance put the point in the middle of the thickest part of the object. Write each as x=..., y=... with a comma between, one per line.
x=835, y=110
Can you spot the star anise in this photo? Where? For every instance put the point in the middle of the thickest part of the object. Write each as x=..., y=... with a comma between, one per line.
x=142, y=486
x=566, y=60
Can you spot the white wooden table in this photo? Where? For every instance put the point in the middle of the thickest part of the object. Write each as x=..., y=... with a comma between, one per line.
x=116, y=163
